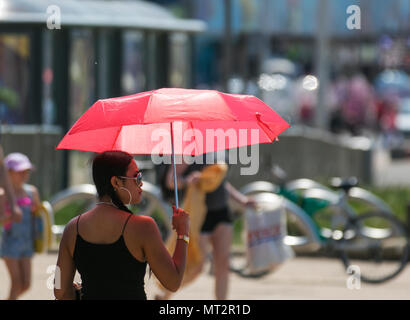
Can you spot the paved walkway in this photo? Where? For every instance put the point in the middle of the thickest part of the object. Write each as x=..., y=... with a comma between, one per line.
x=300, y=278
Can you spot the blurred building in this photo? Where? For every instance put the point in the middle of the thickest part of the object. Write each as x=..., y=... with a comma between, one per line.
x=52, y=70
x=290, y=28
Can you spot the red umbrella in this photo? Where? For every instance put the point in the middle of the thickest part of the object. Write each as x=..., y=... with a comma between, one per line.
x=174, y=121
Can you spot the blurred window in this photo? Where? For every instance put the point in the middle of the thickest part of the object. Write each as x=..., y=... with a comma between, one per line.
x=49, y=112
x=179, y=67
x=81, y=73
x=14, y=78
x=82, y=68
x=133, y=78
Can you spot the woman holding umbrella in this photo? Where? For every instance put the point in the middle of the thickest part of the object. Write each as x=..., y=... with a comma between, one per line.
x=109, y=242
x=167, y=121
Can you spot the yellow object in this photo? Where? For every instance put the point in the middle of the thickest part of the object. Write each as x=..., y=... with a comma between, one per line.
x=18, y=43
x=42, y=244
x=194, y=204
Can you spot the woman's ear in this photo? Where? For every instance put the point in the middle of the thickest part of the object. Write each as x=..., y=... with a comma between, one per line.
x=115, y=182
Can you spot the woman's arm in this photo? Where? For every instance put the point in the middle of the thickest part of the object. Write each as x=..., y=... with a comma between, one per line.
x=169, y=271
x=3, y=218
x=36, y=199
x=65, y=270
x=238, y=196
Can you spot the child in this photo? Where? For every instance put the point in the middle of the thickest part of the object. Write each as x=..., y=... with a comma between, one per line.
x=17, y=238
x=6, y=192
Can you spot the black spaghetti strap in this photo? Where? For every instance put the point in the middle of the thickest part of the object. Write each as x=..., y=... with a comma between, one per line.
x=78, y=220
x=123, y=228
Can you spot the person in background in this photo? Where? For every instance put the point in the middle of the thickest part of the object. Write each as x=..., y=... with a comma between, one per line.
x=217, y=228
x=110, y=247
x=6, y=191
x=17, y=239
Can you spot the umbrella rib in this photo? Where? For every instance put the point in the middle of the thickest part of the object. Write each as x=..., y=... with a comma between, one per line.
x=116, y=137
x=192, y=127
x=265, y=128
x=148, y=104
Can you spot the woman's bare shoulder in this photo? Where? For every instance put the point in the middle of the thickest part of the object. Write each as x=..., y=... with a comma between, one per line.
x=2, y=193
x=71, y=228
x=142, y=225
x=142, y=221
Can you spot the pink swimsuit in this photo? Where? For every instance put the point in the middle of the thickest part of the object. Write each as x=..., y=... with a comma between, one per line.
x=21, y=202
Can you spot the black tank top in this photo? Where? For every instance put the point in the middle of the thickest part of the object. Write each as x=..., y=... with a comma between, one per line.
x=109, y=271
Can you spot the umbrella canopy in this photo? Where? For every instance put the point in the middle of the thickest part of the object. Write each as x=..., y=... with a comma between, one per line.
x=174, y=121
x=203, y=121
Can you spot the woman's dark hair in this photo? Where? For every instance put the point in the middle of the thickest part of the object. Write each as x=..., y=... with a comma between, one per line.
x=106, y=165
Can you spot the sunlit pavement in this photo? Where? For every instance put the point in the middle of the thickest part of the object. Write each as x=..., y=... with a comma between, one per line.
x=300, y=278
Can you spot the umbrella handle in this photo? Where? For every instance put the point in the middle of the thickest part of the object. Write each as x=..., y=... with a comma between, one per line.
x=175, y=170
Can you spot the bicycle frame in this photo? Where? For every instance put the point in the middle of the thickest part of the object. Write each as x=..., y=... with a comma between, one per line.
x=304, y=206
x=355, y=193
x=312, y=241
x=316, y=199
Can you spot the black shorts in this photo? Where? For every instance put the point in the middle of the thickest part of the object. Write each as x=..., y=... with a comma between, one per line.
x=215, y=217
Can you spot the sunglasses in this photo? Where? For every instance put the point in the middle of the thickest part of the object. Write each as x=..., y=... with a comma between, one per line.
x=137, y=179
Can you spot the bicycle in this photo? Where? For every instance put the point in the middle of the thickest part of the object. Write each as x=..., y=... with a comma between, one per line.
x=319, y=218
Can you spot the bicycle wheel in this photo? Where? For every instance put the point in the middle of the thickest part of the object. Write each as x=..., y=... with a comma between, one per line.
x=375, y=245
x=362, y=201
x=326, y=210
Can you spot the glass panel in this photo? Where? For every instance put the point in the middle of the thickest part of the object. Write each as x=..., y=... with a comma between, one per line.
x=14, y=78
x=82, y=95
x=133, y=78
x=49, y=112
x=179, y=67
x=81, y=73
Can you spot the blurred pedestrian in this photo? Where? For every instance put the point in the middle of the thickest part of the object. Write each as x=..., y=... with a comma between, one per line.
x=358, y=107
x=110, y=247
x=7, y=191
x=386, y=116
x=215, y=226
x=17, y=246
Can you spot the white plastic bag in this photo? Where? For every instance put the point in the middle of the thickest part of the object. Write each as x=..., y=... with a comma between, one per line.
x=266, y=230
